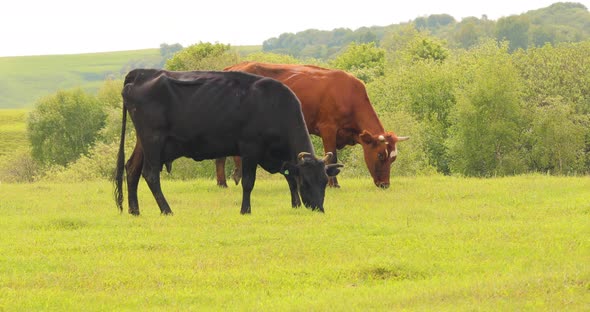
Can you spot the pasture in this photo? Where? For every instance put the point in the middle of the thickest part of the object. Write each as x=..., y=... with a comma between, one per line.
x=13, y=130
x=427, y=243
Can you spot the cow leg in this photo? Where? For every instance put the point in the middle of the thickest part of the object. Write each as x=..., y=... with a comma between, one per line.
x=133, y=168
x=295, y=200
x=329, y=141
x=220, y=171
x=151, y=173
x=248, y=179
x=237, y=174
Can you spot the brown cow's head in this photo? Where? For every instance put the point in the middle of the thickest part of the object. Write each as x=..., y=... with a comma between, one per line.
x=380, y=152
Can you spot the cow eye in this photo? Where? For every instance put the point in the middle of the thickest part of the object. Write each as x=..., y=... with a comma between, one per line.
x=380, y=155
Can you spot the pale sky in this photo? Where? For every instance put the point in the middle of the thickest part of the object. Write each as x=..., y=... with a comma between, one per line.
x=40, y=27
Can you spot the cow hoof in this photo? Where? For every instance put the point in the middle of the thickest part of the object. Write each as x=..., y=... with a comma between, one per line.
x=222, y=184
x=334, y=185
x=134, y=212
x=167, y=213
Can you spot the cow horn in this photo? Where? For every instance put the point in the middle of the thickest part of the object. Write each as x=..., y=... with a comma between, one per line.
x=327, y=157
x=404, y=138
x=303, y=155
x=381, y=138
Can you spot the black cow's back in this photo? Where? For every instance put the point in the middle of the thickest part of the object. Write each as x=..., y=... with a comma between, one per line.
x=207, y=114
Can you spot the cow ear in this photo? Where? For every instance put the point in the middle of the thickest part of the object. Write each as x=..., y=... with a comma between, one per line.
x=367, y=137
x=288, y=169
x=332, y=169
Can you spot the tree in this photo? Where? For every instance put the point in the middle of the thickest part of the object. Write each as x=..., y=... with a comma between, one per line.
x=515, y=30
x=409, y=45
x=203, y=56
x=429, y=89
x=365, y=61
x=557, y=138
x=167, y=51
x=268, y=57
x=64, y=126
x=484, y=137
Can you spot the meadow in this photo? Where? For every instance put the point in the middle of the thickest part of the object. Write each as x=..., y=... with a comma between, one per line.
x=13, y=130
x=427, y=243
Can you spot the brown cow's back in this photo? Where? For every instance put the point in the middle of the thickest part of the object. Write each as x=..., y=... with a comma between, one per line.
x=329, y=98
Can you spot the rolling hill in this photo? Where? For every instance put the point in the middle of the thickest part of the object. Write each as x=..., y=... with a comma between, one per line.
x=24, y=79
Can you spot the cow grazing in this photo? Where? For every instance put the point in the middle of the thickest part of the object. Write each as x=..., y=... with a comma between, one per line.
x=336, y=107
x=206, y=115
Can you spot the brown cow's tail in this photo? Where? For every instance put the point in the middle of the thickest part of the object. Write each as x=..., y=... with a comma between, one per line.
x=120, y=164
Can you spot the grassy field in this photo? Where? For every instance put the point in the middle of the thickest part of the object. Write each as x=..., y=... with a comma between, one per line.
x=13, y=130
x=426, y=244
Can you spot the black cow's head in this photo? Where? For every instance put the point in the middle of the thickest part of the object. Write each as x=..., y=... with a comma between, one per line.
x=311, y=175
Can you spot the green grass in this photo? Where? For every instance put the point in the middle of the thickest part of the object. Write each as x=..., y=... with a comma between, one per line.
x=13, y=130
x=24, y=79
x=428, y=243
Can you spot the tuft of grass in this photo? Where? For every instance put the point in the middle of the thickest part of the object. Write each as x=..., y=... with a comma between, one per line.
x=427, y=243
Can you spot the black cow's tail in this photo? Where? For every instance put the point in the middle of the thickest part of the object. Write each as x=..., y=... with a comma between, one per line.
x=120, y=163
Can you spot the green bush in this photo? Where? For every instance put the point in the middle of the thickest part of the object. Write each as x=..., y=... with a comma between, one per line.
x=18, y=167
x=203, y=56
x=64, y=126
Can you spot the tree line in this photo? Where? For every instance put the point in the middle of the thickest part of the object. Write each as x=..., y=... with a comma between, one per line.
x=560, y=22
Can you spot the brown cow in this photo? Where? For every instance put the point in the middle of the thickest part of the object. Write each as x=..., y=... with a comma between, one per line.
x=336, y=108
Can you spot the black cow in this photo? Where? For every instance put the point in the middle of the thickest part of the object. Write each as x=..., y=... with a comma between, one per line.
x=207, y=115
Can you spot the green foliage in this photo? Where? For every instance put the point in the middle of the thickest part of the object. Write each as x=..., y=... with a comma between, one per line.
x=64, y=126
x=486, y=127
x=425, y=90
x=563, y=70
x=470, y=31
x=434, y=21
x=515, y=30
x=408, y=45
x=321, y=44
x=18, y=167
x=275, y=58
x=109, y=94
x=365, y=61
x=203, y=56
x=558, y=137
x=560, y=22
x=168, y=50
x=98, y=164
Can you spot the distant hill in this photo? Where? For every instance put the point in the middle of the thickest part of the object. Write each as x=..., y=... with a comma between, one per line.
x=24, y=79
